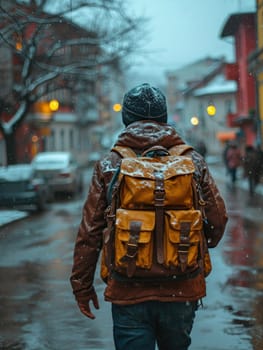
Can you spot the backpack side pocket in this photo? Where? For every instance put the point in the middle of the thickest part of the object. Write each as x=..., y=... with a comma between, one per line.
x=133, y=240
x=182, y=239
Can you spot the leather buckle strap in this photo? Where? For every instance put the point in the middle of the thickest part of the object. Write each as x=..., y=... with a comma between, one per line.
x=159, y=196
x=132, y=247
x=184, y=244
x=183, y=247
x=159, y=192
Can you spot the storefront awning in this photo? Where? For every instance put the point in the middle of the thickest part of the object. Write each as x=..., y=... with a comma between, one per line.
x=226, y=135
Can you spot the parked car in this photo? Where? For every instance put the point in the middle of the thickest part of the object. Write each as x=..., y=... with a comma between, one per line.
x=60, y=170
x=20, y=188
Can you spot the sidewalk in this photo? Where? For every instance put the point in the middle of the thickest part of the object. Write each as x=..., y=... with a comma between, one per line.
x=8, y=216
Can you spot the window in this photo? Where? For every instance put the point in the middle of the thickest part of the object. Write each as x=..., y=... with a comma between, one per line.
x=52, y=140
x=71, y=139
x=62, y=139
x=228, y=106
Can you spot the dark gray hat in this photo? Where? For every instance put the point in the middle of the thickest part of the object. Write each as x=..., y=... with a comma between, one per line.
x=144, y=102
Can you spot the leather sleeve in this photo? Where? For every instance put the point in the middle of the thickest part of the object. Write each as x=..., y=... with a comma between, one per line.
x=89, y=237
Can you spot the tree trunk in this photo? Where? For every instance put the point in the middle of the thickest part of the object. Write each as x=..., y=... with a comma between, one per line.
x=10, y=146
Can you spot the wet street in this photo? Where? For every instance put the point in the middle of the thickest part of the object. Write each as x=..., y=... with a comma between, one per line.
x=232, y=315
x=38, y=311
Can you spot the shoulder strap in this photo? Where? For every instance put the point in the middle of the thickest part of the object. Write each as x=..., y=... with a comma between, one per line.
x=179, y=149
x=124, y=152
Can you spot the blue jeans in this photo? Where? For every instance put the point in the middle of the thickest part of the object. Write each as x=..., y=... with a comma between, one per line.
x=140, y=326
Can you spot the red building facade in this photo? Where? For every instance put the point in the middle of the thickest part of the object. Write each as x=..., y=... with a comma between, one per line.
x=242, y=27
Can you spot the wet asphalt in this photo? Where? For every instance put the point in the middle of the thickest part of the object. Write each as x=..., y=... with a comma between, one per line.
x=38, y=310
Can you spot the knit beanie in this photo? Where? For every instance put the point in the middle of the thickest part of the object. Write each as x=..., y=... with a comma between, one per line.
x=144, y=102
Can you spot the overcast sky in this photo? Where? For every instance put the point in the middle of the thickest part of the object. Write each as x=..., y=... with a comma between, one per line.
x=182, y=31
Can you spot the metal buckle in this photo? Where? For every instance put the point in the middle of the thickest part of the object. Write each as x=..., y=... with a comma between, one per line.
x=131, y=246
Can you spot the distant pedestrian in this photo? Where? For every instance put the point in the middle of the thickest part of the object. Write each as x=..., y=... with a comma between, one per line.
x=233, y=161
x=259, y=163
x=226, y=148
x=252, y=164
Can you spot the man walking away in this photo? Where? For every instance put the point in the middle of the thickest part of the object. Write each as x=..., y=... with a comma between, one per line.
x=147, y=310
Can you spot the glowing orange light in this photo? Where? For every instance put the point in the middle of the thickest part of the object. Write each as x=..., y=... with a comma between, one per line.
x=117, y=107
x=34, y=138
x=19, y=46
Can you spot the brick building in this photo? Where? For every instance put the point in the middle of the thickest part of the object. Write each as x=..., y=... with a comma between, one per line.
x=242, y=27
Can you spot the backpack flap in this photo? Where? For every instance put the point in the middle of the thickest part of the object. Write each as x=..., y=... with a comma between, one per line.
x=140, y=175
x=133, y=240
x=183, y=238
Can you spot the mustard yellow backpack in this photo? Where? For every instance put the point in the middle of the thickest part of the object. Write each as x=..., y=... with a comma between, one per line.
x=155, y=218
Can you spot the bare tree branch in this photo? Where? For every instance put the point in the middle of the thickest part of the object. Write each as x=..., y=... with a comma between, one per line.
x=62, y=42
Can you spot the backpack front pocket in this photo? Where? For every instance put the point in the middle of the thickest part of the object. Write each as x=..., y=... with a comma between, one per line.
x=182, y=239
x=134, y=239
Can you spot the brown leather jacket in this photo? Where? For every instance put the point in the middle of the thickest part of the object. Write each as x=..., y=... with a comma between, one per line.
x=139, y=136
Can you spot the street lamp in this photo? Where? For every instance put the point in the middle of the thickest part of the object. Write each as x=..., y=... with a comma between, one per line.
x=46, y=108
x=194, y=120
x=211, y=109
x=53, y=105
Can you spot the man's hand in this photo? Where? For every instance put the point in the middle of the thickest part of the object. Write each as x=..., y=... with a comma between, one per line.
x=84, y=304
